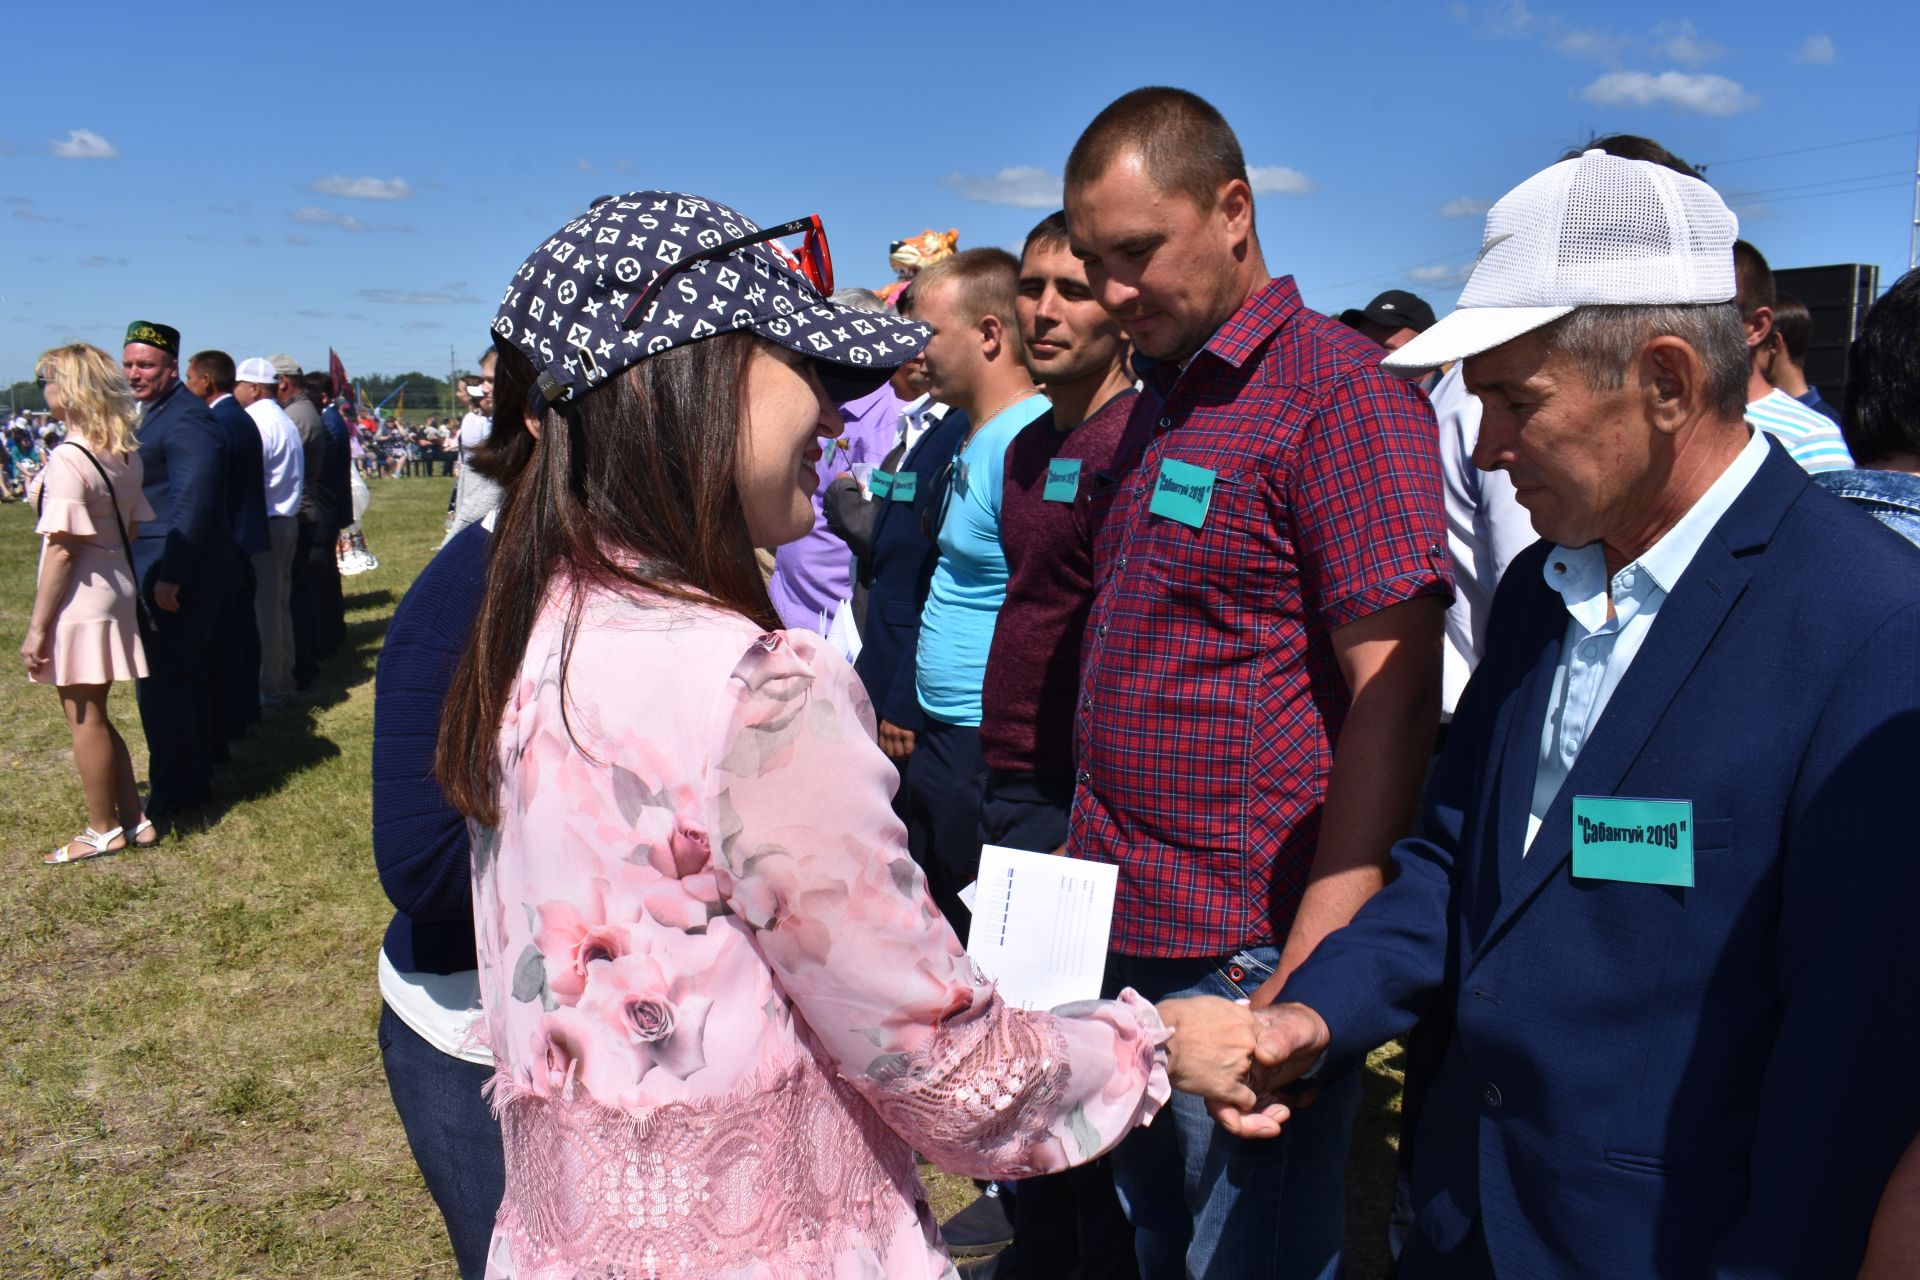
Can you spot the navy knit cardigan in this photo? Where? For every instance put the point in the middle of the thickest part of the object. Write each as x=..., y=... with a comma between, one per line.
x=419, y=842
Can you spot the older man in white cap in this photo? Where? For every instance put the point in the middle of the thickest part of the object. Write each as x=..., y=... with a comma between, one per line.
x=285, y=469
x=1666, y=874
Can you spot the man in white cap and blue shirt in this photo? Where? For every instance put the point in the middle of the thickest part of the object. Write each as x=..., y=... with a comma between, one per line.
x=1666, y=869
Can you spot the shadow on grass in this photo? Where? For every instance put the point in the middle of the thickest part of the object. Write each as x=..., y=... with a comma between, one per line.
x=289, y=739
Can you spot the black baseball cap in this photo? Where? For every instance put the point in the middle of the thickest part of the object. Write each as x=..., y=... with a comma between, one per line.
x=644, y=272
x=1395, y=309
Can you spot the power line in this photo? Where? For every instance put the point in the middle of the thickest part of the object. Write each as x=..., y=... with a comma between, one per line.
x=1801, y=151
x=1821, y=195
x=1807, y=186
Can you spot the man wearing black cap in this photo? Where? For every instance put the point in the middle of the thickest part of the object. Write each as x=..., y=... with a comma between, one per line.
x=182, y=561
x=1393, y=319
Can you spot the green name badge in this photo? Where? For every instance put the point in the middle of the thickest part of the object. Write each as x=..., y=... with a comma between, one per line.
x=1182, y=492
x=1639, y=841
x=905, y=485
x=880, y=484
x=1063, y=480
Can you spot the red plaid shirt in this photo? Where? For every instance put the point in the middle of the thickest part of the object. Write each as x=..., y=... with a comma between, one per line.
x=1210, y=695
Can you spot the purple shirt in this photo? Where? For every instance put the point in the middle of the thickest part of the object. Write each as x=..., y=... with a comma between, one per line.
x=815, y=574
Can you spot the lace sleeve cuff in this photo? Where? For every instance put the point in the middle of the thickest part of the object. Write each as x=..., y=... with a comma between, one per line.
x=1159, y=1087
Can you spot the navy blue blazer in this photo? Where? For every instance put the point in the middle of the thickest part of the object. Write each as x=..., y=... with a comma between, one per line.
x=184, y=453
x=897, y=573
x=246, y=476
x=336, y=477
x=1649, y=1081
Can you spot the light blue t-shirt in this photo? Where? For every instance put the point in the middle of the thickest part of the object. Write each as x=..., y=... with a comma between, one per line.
x=970, y=579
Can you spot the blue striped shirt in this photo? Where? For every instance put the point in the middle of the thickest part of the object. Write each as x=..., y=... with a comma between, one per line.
x=1810, y=436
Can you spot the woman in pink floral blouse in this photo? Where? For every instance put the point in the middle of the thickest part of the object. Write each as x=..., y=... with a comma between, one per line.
x=724, y=1008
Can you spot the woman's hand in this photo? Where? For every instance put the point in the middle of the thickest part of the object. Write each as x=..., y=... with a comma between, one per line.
x=37, y=649
x=1211, y=1053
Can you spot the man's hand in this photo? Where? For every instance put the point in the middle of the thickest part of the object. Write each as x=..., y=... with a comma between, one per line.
x=895, y=741
x=1211, y=1053
x=167, y=596
x=1292, y=1037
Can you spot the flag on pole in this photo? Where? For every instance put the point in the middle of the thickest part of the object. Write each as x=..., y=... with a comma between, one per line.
x=343, y=391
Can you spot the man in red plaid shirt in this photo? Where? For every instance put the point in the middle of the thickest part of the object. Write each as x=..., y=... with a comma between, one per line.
x=1261, y=680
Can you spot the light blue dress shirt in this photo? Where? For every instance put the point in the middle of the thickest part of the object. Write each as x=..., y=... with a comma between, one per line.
x=1600, y=643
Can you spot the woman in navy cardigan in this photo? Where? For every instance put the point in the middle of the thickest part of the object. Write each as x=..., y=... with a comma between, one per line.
x=428, y=983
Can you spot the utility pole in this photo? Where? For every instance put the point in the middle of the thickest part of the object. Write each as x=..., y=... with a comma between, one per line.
x=1913, y=232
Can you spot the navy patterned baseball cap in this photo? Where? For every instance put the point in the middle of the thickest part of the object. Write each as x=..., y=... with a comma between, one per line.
x=640, y=273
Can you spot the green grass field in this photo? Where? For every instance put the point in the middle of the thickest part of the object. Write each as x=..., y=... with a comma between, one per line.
x=190, y=1085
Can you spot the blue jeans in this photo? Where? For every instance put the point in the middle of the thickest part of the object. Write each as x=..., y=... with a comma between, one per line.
x=455, y=1139
x=1210, y=1206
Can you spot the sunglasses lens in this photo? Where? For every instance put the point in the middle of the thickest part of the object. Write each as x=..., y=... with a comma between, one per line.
x=816, y=262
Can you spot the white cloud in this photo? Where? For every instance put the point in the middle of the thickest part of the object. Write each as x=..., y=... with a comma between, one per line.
x=315, y=217
x=1021, y=186
x=1439, y=273
x=584, y=165
x=1464, y=207
x=1818, y=50
x=83, y=144
x=362, y=188
x=1279, y=180
x=1681, y=43
x=1701, y=94
x=296, y=238
x=419, y=297
x=1511, y=18
x=1595, y=46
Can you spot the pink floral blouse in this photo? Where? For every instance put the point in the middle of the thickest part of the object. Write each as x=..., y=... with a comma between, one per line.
x=724, y=1008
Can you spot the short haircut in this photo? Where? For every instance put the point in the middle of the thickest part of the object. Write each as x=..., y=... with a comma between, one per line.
x=318, y=386
x=1603, y=341
x=1050, y=232
x=1631, y=146
x=1882, y=413
x=1753, y=279
x=860, y=299
x=985, y=283
x=1794, y=323
x=217, y=366
x=1186, y=145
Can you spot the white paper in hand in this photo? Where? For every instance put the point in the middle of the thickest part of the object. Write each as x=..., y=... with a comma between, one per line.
x=1041, y=924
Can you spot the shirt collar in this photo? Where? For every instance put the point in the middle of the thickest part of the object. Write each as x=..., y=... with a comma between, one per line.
x=1239, y=339
x=1578, y=574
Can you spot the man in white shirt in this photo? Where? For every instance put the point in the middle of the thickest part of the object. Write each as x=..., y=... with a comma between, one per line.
x=284, y=467
x=1809, y=435
x=473, y=494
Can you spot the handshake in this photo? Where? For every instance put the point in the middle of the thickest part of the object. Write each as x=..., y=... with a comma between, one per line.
x=1242, y=1060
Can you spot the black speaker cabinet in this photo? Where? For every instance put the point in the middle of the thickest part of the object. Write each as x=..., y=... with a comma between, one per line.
x=1838, y=298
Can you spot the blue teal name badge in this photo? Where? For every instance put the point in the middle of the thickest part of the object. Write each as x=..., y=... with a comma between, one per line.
x=1639, y=841
x=880, y=484
x=1063, y=480
x=1182, y=492
x=905, y=485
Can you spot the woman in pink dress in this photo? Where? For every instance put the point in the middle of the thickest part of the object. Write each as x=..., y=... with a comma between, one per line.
x=84, y=633
x=724, y=1009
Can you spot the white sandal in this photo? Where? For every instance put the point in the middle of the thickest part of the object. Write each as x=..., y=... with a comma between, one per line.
x=141, y=828
x=99, y=841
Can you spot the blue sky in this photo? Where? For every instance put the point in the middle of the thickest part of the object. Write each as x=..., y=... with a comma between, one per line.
x=370, y=180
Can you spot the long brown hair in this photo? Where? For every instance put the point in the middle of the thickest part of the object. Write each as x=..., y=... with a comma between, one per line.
x=630, y=488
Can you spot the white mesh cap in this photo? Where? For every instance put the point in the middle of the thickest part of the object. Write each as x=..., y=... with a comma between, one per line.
x=1597, y=230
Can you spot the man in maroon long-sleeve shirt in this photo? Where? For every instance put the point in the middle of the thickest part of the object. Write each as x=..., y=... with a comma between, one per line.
x=1056, y=470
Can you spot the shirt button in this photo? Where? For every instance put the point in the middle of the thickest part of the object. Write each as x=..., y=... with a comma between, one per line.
x=1085, y=777
x=1139, y=489
x=1101, y=629
x=1166, y=422
x=1626, y=581
x=1086, y=703
x=1589, y=650
x=1490, y=1094
x=1121, y=563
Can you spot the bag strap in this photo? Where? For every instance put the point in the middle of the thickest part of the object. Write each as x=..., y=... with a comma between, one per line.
x=125, y=544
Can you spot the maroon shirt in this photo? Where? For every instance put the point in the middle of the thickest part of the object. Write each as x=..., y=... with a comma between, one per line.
x=1033, y=668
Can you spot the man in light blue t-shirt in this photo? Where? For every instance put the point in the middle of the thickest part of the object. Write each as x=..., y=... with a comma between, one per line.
x=974, y=363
